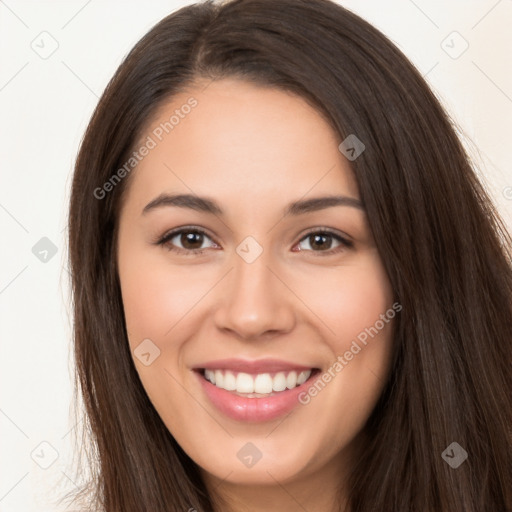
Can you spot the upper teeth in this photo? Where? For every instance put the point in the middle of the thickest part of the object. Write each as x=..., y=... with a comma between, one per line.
x=261, y=383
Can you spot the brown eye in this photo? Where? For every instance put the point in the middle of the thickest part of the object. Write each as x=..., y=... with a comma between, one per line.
x=322, y=242
x=185, y=241
x=191, y=239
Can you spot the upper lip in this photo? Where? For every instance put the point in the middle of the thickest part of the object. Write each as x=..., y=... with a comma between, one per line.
x=252, y=366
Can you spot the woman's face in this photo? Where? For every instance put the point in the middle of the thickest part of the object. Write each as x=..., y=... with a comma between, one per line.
x=269, y=301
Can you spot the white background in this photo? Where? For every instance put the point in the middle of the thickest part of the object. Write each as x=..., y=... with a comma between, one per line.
x=45, y=105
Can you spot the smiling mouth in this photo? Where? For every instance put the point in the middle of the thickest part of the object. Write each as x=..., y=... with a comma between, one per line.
x=260, y=385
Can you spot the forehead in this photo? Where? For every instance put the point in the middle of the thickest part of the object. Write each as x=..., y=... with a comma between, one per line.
x=242, y=143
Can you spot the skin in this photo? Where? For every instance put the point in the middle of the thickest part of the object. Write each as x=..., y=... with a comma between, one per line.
x=254, y=150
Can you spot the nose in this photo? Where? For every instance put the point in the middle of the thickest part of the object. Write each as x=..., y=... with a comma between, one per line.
x=255, y=301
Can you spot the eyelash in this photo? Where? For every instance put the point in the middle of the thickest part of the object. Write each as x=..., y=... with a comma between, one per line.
x=164, y=241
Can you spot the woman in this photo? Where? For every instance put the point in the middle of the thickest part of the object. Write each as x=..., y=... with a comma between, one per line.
x=291, y=292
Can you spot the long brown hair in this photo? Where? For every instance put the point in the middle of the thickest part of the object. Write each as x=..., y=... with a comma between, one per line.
x=446, y=251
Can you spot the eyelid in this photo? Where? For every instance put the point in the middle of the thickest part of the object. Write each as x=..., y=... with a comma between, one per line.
x=346, y=238
x=168, y=235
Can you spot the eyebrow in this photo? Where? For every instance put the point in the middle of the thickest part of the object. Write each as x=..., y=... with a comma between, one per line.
x=207, y=205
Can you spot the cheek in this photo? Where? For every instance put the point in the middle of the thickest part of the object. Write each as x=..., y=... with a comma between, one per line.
x=156, y=296
x=349, y=299
x=358, y=308
x=354, y=304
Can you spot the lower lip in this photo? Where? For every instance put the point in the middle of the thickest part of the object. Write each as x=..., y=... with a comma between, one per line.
x=254, y=409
